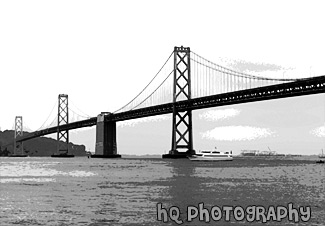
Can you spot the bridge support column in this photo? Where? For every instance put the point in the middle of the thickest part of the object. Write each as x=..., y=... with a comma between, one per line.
x=182, y=134
x=18, y=146
x=106, y=146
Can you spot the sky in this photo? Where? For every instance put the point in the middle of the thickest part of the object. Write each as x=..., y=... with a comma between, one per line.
x=102, y=53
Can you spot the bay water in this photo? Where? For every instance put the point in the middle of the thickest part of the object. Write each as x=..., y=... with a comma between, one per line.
x=144, y=191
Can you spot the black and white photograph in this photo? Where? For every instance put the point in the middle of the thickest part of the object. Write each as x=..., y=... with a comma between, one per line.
x=180, y=112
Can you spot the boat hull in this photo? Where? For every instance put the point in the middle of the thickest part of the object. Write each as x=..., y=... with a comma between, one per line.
x=209, y=159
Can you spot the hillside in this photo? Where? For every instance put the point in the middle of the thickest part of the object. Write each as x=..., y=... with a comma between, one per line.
x=41, y=146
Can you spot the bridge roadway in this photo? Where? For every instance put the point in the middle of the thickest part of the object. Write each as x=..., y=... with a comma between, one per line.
x=301, y=87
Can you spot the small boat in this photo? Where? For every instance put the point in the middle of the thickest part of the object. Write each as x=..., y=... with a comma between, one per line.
x=249, y=152
x=211, y=155
x=320, y=161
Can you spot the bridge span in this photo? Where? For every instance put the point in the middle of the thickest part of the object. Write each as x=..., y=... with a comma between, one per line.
x=307, y=86
x=196, y=84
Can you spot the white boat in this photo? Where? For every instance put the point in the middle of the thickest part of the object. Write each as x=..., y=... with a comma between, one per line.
x=322, y=156
x=212, y=155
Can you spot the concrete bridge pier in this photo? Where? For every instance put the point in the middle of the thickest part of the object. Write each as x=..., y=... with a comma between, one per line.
x=105, y=139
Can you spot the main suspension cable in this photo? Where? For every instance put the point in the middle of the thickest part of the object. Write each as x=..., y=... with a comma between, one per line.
x=146, y=85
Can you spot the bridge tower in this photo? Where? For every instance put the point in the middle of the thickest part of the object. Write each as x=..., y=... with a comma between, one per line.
x=106, y=146
x=18, y=146
x=62, y=135
x=182, y=134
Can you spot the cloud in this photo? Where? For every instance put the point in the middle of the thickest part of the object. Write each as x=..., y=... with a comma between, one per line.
x=245, y=66
x=133, y=122
x=318, y=132
x=269, y=70
x=215, y=115
x=237, y=133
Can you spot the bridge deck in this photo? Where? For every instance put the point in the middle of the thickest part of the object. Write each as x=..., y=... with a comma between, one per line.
x=308, y=86
x=302, y=87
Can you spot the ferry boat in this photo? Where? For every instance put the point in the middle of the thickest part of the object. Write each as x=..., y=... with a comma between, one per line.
x=211, y=155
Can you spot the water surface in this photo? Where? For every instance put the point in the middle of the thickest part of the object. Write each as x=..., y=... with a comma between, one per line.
x=82, y=191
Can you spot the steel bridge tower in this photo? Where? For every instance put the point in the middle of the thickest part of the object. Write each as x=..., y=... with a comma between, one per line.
x=62, y=135
x=18, y=146
x=182, y=134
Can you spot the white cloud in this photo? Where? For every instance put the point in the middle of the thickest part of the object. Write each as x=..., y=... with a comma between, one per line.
x=134, y=122
x=215, y=115
x=318, y=132
x=237, y=133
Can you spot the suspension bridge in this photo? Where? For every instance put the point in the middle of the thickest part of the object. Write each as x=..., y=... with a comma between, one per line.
x=185, y=82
